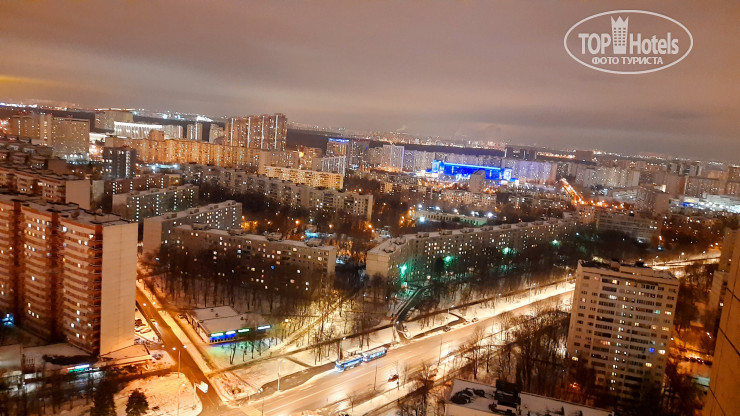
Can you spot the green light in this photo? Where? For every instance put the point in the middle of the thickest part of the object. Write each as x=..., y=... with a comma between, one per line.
x=556, y=243
x=403, y=269
x=506, y=251
x=448, y=259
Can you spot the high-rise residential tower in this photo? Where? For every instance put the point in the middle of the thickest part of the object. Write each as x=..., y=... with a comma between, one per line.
x=267, y=132
x=621, y=322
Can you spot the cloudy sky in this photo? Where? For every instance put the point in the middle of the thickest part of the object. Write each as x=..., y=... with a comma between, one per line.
x=460, y=69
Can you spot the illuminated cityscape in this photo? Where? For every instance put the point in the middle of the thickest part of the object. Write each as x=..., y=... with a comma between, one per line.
x=364, y=208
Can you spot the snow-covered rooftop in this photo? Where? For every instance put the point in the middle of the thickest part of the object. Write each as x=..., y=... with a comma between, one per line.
x=535, y=405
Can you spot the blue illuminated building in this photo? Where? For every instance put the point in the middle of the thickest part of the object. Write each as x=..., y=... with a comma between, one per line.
x=461, y=171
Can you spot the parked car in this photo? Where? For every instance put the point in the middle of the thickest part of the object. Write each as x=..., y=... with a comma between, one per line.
x=447, y=329
x=393, y=378
x=476, y=319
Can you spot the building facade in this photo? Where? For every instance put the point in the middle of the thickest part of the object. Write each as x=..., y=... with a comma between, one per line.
x=282, y=191
x=642, y=228
x=622, y=317
x=247, y=248
x=61, y=189
x=221, y=216
x=68, y=274
x=412, y=256
x=305, y=177
x=105, y=119
x=157, y=149
x=266, y=132
x=721, y=397
x=138, y=205
x=195, y=131
x=119, y=162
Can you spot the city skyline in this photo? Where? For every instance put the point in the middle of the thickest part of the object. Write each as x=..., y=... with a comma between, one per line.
x=320, y=65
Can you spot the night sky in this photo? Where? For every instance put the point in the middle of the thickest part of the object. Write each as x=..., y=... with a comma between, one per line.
x=493, y=70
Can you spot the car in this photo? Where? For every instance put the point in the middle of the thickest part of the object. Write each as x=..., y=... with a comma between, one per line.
x=138, y=322
x=393, y=378
x=476, y=319
x=181, y=315
x=447, y=329
x=154, y=321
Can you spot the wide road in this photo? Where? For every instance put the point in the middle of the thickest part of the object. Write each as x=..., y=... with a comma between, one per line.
x=334, y=386
x=212, y=404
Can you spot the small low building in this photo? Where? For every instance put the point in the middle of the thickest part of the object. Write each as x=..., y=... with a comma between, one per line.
x=223, y=324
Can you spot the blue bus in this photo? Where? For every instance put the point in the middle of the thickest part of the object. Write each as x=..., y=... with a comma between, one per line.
x=348, y=363
x=374, y=353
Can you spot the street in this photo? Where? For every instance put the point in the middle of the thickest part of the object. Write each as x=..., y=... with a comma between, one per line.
x=336, y=386
x=212, y=404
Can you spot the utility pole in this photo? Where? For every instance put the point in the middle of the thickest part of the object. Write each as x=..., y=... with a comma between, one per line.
x=280, y=361
x=375, y=383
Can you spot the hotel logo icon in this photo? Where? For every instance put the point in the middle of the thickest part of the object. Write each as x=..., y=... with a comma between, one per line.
x=636, y=42
x=619, y=35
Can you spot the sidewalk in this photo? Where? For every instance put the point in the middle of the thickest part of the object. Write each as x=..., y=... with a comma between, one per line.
x=192, y=348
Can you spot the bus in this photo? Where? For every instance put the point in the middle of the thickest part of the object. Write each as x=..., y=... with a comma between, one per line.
x=374, y=353
x=348, y=363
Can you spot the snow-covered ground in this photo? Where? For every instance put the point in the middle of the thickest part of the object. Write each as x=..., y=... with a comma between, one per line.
x=145, y=330
x=162, y=395
x=230, y=387
x=414, y=328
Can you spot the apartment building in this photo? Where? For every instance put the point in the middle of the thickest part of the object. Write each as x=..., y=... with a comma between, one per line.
x=222, y=216
x=699, y=186
x=105, y=119
x=337, y=147
x=257, y=132
x=156, y=149
x=61, y=189
x=98, y=281
x=642, y=228
x=70, y=138
x=34, y=156
x=334, y=164
x=607, y=177
x=138, y=183
x=284, y=192
x=304, y=177
x=136, y=131
x=67, y=274
x=138, y=205
x=248, y=248
x=35, y=127
x=622, y=317
x=412, y=256
x=119, y=162
x=195, y=131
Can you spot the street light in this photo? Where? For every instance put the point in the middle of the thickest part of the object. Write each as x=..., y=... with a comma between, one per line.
x=178, y=359
x=179, y=390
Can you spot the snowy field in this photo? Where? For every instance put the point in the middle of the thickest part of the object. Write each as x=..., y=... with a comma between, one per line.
x=161, y=393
